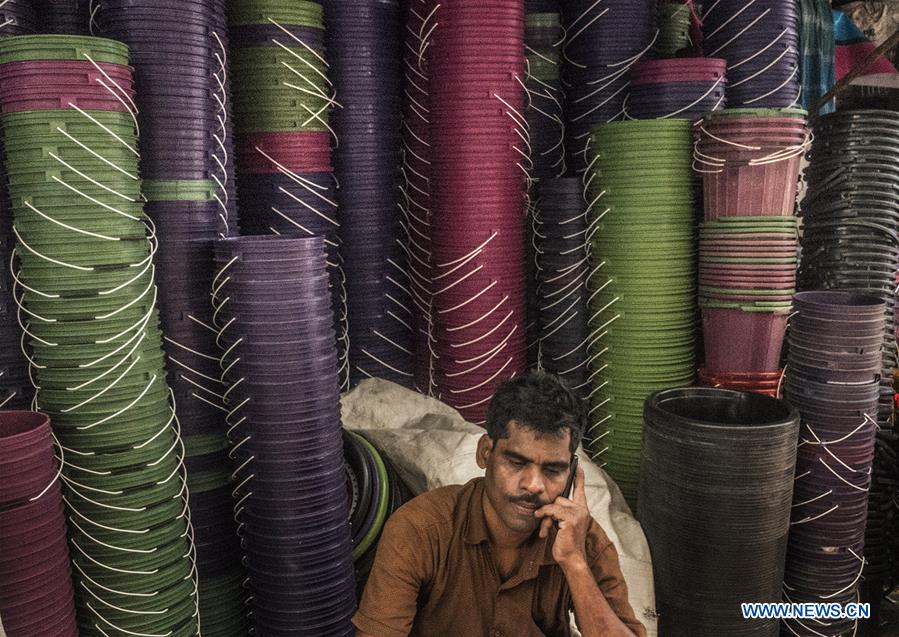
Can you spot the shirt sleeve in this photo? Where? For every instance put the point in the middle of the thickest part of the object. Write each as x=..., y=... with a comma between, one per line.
x=402, y=567
x=607, y=571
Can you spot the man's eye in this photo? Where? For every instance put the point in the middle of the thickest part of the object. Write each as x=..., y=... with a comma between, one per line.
x=517, y=463
x=552, y=473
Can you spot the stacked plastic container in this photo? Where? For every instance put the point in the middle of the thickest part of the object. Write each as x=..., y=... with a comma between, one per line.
x=17, y=17
x=760, y=41
x=280, y=362
x=364, y=53
x=749, y=161
x=836, y=341
x=478, y=181
x=282, y=105
x=642, y=284
x=603, y=40
x=851, y=242
x=545, y=115
x=562, y=233
x=686, y=88
x=36, y=596
x=415, y=202
x=88, y=298
x=179, y=51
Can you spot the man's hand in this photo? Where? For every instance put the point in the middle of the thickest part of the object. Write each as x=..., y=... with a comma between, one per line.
x=573, y=519
x=595, y=616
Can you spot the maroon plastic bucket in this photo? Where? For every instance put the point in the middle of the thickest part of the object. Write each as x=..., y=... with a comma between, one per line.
x=767, y=190
x=733, y=187
x=21, y=429
x=738, y=341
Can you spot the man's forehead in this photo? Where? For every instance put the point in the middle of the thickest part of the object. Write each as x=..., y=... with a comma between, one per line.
x=530, y=443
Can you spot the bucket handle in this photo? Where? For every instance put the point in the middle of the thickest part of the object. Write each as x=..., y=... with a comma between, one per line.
x=777, y=39
x=467, y=301
x=772, y=92
x=130, y=105
x=584, y=14
x=105, y=129
x=730, y=19
x=740, y=33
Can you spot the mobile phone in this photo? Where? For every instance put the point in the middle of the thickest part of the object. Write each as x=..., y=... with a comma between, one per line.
x=572, y=474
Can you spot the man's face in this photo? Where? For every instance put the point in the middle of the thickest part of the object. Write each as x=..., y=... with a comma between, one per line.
x=523, y=473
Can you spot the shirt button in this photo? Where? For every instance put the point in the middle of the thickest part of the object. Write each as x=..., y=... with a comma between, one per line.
x=496, y=633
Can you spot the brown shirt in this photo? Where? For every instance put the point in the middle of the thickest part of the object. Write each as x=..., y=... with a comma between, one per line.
x=434, y=575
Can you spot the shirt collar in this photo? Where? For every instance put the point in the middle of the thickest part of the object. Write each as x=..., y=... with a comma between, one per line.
x=475, y=522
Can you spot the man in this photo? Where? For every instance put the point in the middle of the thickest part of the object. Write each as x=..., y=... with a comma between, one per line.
x=506, y=554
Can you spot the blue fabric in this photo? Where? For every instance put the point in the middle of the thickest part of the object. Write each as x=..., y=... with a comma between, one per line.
x=818, y=66
x=845, y=30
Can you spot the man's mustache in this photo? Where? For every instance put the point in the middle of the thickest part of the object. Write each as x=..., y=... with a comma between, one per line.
x=530, y=500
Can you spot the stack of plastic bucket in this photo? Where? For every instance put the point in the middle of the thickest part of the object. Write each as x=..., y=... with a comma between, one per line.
x=832, y=378
x=602, y=41
x=674, y=19
x=851, y=216
x=36, y=596
x=377, y=492
x=180, y=57
x=546, y=127
x=717, y=480
x=544, y=113
x=747, y=277
x=17, y=17
x=179, y=51
x=562, y=233
x=364, y=53
x=757, y=383
x=280, y=362
x=760, y=40
x=851, y=242
x=64, y=17
x=749, y=162
x=89, y=295
x=478, y=183
x=282, y=101
x=642, y=285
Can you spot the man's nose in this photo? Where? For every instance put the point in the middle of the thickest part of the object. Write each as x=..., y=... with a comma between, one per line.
x=532, y=481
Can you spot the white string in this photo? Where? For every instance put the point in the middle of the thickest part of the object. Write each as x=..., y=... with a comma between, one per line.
x=131, y=175
x=739, y=34
x=300, y=58
x=749, y=78
x=772, y=92
x=102, y=391
x=105, y=128
x=855, y=581
x=456, y=345
x=484, y=382
x=120, y=629
x=817, y=517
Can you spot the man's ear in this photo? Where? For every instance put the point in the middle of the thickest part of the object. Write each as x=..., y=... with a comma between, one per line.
x=485, y=447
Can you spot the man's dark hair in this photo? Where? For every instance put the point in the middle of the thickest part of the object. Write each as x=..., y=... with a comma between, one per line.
x=540, y=402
